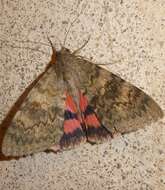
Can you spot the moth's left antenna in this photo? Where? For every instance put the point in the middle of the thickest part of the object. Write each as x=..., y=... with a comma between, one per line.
x=53, y=57
x=71, y=24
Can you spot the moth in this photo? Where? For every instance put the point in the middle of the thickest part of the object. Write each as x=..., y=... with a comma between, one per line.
x=71, y=102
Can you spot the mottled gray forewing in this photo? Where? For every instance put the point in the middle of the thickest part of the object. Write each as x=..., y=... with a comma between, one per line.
x=120, y=106
x=37, y=124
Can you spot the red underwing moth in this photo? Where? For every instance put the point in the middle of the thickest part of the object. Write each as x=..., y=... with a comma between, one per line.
x=73, y=101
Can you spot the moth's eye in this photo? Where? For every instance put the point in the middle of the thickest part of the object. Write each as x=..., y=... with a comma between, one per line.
x=67, y=50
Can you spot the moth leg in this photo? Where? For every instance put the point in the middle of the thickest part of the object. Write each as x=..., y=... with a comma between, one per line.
x=55, y=149
x=73, y=132
x=95, y=130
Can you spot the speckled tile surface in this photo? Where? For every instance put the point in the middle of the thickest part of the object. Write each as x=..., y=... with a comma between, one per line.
x=130, y=35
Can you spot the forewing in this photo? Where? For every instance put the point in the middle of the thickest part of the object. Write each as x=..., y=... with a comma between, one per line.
x=120, y=106
x=37, y=123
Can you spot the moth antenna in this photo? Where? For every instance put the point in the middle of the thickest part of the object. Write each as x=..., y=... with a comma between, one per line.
x=53, y=58
x=67, y=32
x=25, y=47
x=82, y=46
x=111, y=63
x=26, y=41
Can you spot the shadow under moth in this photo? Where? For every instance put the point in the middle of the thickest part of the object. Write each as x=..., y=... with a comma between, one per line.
x=73, y=101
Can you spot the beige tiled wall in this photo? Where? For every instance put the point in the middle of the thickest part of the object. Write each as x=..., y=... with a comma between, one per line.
x=128, y=34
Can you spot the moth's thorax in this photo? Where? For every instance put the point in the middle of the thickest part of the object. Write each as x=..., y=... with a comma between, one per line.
x=65, y=70
x=61, y=57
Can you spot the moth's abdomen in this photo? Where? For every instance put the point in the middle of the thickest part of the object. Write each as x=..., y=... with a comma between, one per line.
x=73, y=131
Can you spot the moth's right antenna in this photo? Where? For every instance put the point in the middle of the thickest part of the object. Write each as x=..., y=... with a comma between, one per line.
x=82, y=46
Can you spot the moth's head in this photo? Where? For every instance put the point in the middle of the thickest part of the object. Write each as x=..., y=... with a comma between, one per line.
x=65, y=51
x=58, y=54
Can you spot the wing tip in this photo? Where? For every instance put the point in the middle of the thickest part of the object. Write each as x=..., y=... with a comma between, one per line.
x=155, y=110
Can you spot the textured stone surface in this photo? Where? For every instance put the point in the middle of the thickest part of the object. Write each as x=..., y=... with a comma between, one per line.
x=129, y=34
